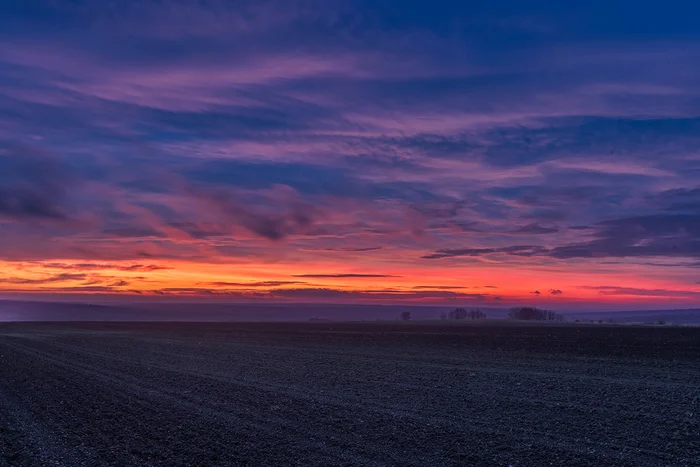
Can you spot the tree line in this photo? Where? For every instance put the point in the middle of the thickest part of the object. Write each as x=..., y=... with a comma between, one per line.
x=463, y=313
x=530, y=313
x=522, y=313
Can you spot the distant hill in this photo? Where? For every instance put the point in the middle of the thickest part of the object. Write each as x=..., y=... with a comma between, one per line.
x=60, y=311
x=11, y=310
x=14, y=310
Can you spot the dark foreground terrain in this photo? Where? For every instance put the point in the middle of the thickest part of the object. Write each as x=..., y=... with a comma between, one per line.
x=348, y=394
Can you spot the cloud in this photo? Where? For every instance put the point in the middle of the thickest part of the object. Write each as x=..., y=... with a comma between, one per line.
x=33, y=185
x=121, y=283
x=516, y=140
x=535, y=229
x=199, y=230
x=254, y=284
x=461, y=252
x=91, y=289
x=144, y=267
x=322, y=294
x=132, y=232
x=555, y=291
x=640, y=292
x=342, y=276
x=380, y=295
x=669, y=235
x=99, y=266
x=655, y=235
x=288, y=217
x=514, y=250
x=66, y=277
x=204, y=292
x=354, y=250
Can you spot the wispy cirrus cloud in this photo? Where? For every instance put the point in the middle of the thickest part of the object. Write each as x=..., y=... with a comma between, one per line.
x=65, y=277
x=343, y=276
x=102, y=266
x=634, y=291
x=255, y=284
x=387, y=138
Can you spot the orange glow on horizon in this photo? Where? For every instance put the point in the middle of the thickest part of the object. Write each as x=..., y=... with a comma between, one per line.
x=483, y=284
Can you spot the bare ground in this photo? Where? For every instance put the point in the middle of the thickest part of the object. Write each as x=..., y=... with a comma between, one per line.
x=171, y=394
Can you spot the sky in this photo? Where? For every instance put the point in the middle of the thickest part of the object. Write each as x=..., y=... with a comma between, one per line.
x=384, y=151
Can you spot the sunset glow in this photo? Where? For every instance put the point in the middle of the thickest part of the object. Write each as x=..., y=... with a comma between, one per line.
x=338, y=152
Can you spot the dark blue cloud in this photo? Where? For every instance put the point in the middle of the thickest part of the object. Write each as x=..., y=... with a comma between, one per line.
x=303, y=177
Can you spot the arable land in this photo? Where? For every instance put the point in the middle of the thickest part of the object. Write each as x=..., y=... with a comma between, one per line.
x=327, y=394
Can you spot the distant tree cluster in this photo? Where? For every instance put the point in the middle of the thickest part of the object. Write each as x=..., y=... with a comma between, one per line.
x=463, y=313
x=405, y=316
x=528, y=313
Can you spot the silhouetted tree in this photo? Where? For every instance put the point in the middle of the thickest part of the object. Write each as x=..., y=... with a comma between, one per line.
x=463, y=313
x=458, y=313
x=528, y=313
x=406, y=316
x=477, y=314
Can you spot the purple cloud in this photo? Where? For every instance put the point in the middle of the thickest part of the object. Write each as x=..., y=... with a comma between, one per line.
x=382, y=137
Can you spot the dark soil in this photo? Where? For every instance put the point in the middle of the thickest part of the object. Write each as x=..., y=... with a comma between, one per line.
x=330, y=394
